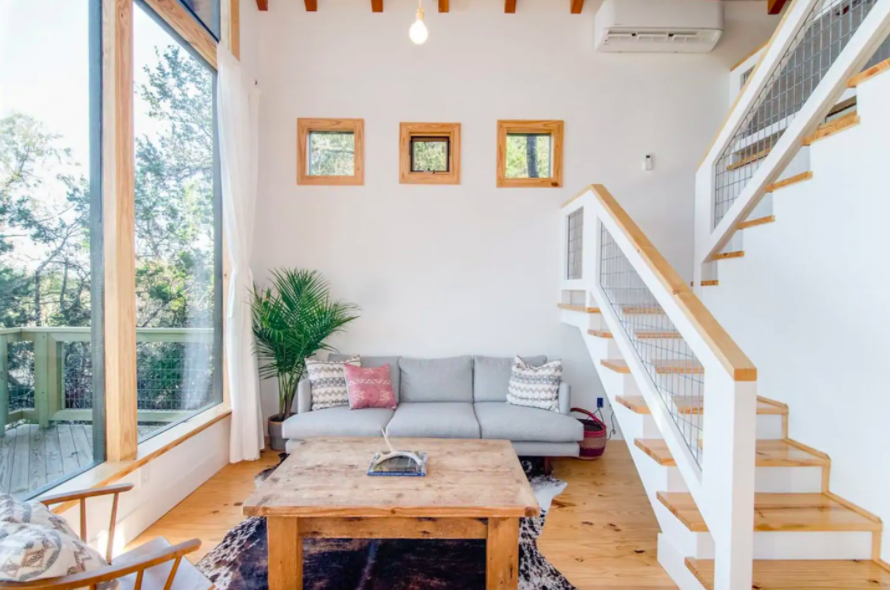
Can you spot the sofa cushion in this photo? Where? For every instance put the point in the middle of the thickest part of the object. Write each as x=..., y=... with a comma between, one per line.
x=522, y=424
x=376, y=361
x=491, y=376
x=339, y=421
x=434, y=420
x=327, y=382
x=437, y=380
x=535, y=387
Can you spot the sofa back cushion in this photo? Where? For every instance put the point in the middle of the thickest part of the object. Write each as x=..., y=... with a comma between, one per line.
x=376, y=361
x=436, y=380
x=491, y=376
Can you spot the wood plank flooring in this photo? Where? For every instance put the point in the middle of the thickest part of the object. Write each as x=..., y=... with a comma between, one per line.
x=601, y=532
x=31, y=457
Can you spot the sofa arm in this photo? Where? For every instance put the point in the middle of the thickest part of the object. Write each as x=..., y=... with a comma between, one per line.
x=565, y=398
x=304, y=397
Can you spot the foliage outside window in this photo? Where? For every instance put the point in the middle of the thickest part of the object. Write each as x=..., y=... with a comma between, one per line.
x=178, y=225
x=330, y=151
x=530, y=154
x=429, y=153
x=51, y=360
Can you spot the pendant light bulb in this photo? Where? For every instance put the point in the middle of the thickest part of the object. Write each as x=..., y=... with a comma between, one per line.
x=418, y=31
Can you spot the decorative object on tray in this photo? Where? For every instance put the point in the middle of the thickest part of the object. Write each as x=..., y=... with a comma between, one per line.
x=291, y=321
x=535, y=387
x=595, y=435
x=239, y=562
x=397, y=463
x=369, y=387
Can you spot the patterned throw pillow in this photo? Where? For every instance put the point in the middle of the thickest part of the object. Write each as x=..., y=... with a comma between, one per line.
x=535, y=387
x=35, y=544
x=327, y=382
x=369, y=387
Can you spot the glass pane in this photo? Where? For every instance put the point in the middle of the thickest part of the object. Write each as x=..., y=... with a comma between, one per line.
x=331, y=153
x=50, y=244
x=528, y=155
x=178, y=262
x=207, y=13
x=429, y=155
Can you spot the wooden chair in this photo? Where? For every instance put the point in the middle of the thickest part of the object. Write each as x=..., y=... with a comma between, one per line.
x=156, y=565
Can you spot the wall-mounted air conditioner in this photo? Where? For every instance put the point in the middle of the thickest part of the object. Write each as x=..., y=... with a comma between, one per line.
x=658, y=26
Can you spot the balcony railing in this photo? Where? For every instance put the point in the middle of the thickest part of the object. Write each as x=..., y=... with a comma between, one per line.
x=46, y=374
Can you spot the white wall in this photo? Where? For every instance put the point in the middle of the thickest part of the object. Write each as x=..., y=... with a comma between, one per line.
x=160, y=485
x=808, y=304
x=442, y=270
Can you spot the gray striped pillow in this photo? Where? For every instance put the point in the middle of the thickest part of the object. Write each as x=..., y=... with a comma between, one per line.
x=327, y=382
x=535, y=387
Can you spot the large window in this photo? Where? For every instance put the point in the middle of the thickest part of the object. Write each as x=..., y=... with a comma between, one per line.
x=51, y=358
x=178, y=240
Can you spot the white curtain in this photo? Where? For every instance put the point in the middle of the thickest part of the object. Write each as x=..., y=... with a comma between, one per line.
x=237, y=113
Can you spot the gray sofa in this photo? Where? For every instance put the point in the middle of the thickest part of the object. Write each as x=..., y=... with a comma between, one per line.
x=459, y=397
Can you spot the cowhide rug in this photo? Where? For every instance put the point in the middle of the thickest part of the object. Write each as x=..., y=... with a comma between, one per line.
x=239, y=561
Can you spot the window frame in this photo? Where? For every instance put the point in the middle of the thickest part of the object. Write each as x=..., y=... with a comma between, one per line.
x=449, y=131
x=305, y=126
x=553, y=128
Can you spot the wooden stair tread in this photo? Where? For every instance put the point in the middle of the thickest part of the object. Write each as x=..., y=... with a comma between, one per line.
x=758, y=221
x=644, y=335
x=802, y=177
x=638, y=405
x=770, y=453
x=749, y=159
x=663, y=367
x=727, y=255
x=803, y=574
x=779, y=512
x=869, y=73
x=578, y=308
x=830, y=128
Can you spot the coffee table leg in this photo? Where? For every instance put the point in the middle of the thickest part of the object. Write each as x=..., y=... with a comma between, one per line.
x=285, y=554
x=502, y=560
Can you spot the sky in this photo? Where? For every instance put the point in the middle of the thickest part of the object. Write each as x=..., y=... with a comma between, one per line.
x=44, y=65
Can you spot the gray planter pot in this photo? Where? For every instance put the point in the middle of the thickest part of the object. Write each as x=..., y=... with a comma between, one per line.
x=276, y=438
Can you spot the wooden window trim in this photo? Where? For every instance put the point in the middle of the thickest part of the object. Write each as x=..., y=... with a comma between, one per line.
x=181, y=21
x=552, y=128
x=451, y=131
x=306, y=126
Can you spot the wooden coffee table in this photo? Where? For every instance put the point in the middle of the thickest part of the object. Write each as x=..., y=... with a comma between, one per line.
x=474, y=489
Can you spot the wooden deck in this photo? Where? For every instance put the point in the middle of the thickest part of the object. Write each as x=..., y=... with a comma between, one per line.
x=31, y=457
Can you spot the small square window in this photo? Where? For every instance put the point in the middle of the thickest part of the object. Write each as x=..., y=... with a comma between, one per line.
x=530, y=154
x=330, y=151
x=429, y=153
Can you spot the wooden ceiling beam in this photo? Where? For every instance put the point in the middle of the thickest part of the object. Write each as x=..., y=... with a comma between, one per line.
x=775, y=6
x=510, y=6
x=262, y=5
x=311, y=5
x=376, y=5
x=577, y=6
x=443, y=6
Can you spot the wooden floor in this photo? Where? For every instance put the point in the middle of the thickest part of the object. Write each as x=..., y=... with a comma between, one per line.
x=31, y=457
x=601, y=532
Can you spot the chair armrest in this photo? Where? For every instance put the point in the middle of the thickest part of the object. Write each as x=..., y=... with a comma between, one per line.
x=83, y=494
x=304, y=397
x=108, y=573
x=565, y=398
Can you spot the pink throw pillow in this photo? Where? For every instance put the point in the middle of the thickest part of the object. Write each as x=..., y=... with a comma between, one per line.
x=369, y=387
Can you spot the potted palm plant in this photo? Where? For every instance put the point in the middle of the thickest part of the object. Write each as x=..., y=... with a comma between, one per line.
x=291, y=321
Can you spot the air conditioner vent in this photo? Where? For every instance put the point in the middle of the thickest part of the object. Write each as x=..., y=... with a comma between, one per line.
x=678, y=26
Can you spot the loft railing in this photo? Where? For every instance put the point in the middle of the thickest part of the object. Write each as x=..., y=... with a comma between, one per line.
x=46, y=374
x=699, y=386
x=803, y=73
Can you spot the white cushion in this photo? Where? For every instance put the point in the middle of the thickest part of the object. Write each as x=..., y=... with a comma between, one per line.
x=535, y=387
x=35, y=544
x=327, y=381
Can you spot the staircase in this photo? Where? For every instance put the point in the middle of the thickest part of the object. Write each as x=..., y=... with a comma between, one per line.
x=740, y=503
